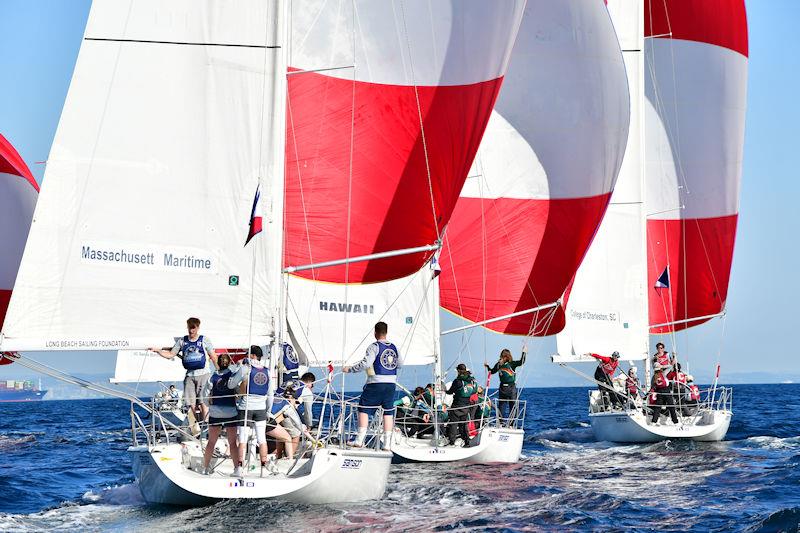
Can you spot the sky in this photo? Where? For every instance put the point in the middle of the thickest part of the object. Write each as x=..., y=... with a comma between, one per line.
x=40, y=39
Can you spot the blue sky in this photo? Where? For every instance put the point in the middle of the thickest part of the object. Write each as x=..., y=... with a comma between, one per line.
x=40, y=39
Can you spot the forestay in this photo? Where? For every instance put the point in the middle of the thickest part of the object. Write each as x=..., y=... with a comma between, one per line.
x=18, y=193
x=168, y=126
x=544, y=173
x=696, y=89
x=606, y=306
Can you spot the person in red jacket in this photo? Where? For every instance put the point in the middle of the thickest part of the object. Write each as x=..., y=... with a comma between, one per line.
x=604, y=375
x=691, y=398
x=677, y=380
x=662, y=357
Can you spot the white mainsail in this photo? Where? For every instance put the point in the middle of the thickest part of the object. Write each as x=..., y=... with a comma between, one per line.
x=606, y=307
x=144, y=366
x=169, y=125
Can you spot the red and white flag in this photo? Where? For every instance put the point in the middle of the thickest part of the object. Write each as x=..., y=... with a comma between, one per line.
x=256, y=220
x=717, y=371
x=330, y=371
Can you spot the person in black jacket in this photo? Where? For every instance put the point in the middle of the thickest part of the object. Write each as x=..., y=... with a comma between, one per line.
x=465, y=391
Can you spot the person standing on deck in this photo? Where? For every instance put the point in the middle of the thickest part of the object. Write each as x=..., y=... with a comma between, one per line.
x=465, y=391
x=506, y=367
x=661, y=385
x=197, y=354
x=381, y=362
x=223, y=414
x=604, y=375
x=662, y=357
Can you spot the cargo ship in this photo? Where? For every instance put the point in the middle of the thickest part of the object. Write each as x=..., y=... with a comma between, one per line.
x=21, y=391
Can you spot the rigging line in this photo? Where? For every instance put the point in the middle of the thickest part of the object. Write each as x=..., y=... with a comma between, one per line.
x=182, y=43
x=421, y=122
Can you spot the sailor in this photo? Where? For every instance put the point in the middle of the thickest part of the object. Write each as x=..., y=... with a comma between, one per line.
x=632, y=383
x=197, y=354
x=289, y=364
x=662, y=357
x=661, y=385
x=678, y=381
x=381, y=362
x=304, y=397
x=174, y=396
x=506, y=368
x=691, y=397
x=252, y=382
x=604, y=375
x=465, y=391
x=219, y=390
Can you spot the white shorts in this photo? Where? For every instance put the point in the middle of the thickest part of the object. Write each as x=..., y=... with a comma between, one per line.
x=261, y=432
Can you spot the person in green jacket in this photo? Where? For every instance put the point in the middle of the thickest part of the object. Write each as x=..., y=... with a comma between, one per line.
x=506, y=367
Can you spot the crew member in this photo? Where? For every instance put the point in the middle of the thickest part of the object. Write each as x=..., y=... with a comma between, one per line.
x=464, y=390
x=604, y=375
x=197, y=354
x=289, y=364
x=381, y=363
x=662, y=357
x=692, y=397
x=661, y=385
x=506, y=368
x=223, y=414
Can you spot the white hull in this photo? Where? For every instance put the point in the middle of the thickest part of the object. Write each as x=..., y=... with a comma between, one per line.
x=333, y=475
x=494, y=445
x=634, y=427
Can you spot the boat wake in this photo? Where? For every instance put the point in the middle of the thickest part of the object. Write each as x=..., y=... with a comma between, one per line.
x=11, y=443
x=118, y=495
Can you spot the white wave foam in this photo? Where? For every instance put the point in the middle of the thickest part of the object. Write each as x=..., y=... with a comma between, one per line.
x=772, y=443
x=9, y=443
x=117, y=495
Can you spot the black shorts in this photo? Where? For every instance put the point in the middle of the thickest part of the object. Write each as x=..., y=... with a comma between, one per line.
x=231, y=422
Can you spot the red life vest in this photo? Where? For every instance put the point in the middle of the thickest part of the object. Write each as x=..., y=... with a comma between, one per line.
x=680, y=377
x=662, y=359
x=610, y=366
x=632, y=385
x=652, y=397
x=662, y=382
x=694, y=392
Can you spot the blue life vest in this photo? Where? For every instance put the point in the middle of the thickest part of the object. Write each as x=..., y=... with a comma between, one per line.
x=386, y=360
x=221, y=395
x=277, y=405
x=258, y=382
x=194, y=354
x=290, y=364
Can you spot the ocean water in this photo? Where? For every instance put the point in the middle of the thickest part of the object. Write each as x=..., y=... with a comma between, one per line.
x=63, y=467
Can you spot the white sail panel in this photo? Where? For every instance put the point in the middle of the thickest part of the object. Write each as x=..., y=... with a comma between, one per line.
x=606, y=308
x=150, y=182
x=329, y=323
x=143, y=366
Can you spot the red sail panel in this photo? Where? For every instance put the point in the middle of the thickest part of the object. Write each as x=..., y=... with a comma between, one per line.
x=544, y=173
x=387, y=193
x=699, y=253
x=542, y=244
x=696, y=87
x=387, y=103
x=18, y=192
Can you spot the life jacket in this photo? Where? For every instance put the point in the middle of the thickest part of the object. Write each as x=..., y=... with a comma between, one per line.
x=386, y=360
x=652, y=397
x=694, y=392
x=662, y=359
x=662, y=381
x=194, y=354
x=507, y=374
x=610, y=366
x=468, y=389
x=632, y=384
x=258, y=381
x=221, y=395
x=290, y=363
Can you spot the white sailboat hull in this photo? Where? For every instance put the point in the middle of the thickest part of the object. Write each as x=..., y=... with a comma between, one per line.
x=634, y=427
x=494, y=445
x=332, y=476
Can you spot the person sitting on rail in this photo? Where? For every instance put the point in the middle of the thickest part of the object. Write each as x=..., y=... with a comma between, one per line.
x=219, y=390
x=663, y=390
x=464, y=390
x=604, y=375
x=506, y=368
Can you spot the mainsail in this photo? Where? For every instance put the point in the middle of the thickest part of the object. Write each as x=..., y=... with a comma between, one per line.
x=696, y=90
x=173, y=117
x=18, y=193
x=387, y=104
x=544, y=173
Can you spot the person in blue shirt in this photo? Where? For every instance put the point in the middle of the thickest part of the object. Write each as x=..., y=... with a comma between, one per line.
x=381, y=362
x=198, y=356
x=223, y=414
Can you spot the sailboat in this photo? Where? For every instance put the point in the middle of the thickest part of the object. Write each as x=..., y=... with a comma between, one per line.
x=177, y=114
x=661, y=260
x=525, y=195
x=18, y=193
